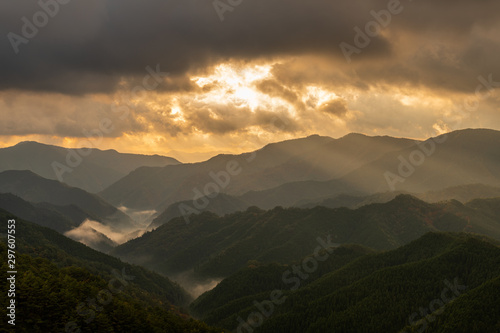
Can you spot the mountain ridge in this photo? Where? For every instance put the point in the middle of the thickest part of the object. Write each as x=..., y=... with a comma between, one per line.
x=91, y=169
x=350, y=289
x=214, y=246
x=36, y=189
x=312, y=158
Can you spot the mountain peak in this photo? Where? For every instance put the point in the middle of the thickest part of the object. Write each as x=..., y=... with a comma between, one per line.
x=471, y=132
x=406, y=199
x=28, y=143
x=354, y=135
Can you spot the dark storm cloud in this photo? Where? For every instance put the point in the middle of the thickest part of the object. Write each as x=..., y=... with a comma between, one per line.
x=216, y=118
x=88, y=46
x=62, y=115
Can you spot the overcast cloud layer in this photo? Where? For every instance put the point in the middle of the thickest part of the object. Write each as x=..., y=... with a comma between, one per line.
x=271, y=69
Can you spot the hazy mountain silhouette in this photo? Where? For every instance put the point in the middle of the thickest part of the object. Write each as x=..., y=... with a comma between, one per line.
x=36, y=189
x=224, y=204
x=468, y=157
x=96, y=169
x=287, y=172
x=462, y=193
x=463, y=157
x=220, y=205
x=40, y=215
x=65, y=219
x=313, y=158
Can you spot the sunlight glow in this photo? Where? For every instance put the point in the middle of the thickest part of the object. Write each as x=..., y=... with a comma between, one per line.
x=317, y=96
x=176, y=110
x=232, y=85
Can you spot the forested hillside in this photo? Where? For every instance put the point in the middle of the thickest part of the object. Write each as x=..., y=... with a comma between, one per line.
x=52, y=298
x=441, y=274
x=214, y=246
x=58, y=277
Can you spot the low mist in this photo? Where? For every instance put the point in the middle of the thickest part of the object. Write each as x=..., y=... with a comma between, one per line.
x=92, y=233
x=88, y=233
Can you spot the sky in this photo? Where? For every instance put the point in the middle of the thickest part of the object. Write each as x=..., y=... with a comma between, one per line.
x=192, y=78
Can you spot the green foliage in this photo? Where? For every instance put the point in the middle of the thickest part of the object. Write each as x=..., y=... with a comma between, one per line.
x=48, y=298
x=38, y=241
x=477, y=311
x=264, y=279
x=214, y=246
x=370, y=292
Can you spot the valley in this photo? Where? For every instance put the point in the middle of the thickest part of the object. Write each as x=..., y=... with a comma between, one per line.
x=321, y=245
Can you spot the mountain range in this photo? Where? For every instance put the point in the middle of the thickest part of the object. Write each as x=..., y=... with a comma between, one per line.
x=317, y=167
x=34, y=188
x=63, y=283
x=78, y=214
x=313, y=158
x=210, y=246
x=225, y=204
x=355, y=234
x=90, y=169
x=440, y=282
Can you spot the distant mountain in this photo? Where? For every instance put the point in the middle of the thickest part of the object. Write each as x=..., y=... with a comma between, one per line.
x=90, y=169
x=220, y=205
x=285, y=196
x=313, y=158
x=489, y=207
x=470, y=156
x=215, y=246
x=72, y=212
x=462, y=193
x=446, y=282
x=33, y=188
x=464, y=157
x=63, y=282
x=465, y=165
x=40, y=215
x=350, y=201
x=287, y=172
x=291, y=194
x=65, y=219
